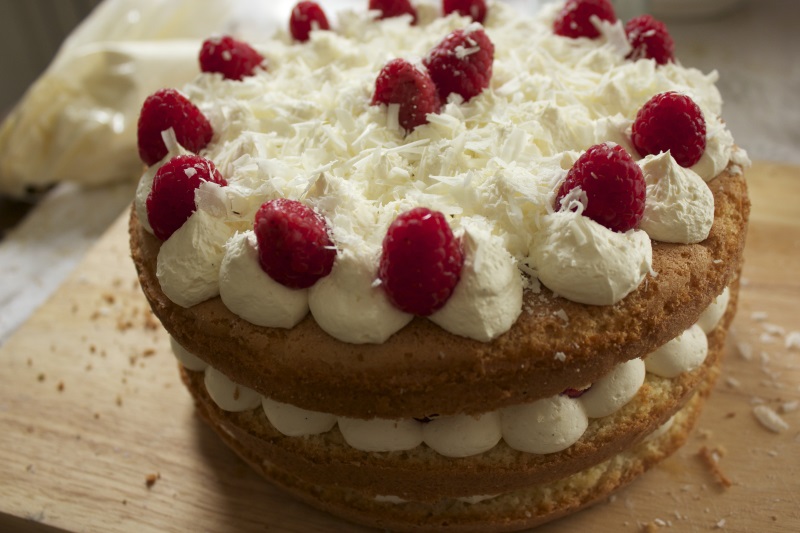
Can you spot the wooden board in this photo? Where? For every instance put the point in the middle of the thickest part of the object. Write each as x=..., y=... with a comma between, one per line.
x=91, y=405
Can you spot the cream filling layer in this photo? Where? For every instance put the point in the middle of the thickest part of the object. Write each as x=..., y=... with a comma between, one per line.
x=545, y=426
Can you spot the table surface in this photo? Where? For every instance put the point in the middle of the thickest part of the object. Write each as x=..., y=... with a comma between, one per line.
x=92, y=405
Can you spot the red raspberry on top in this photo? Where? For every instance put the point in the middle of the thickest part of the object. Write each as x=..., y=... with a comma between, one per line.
x=400, y=82
x=231, y=58
x=575, y=18
x=171, y=199
x=165, y=109
x=462, y=63
x=467, y=8
x=421, y=261
x=670, y=121
x=650, y=40
x=394, y=8
x=293, y=244
x=307, y=16
x=613, y=184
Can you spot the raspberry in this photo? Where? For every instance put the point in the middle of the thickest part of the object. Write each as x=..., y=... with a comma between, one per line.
x=613, y=183
x=167, y=109
x=421, y=261
x=293, y=243
x=231, y=58
x=171, y=200
x=461, y=63
x=670, y=121
x=307, y=16
x=394, y=8
x=575, y=18
x=650, y=40
x=400, y=82
x=467, y=8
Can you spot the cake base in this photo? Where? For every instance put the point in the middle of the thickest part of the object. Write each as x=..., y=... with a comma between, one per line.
x=512, y=511
x=376, y=492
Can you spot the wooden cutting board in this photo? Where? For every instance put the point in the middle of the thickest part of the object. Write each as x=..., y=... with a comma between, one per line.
x=91, y=407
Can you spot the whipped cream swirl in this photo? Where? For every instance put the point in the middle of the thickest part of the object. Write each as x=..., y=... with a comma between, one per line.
x=679, y=206
x=581, y=260
x=250, y=293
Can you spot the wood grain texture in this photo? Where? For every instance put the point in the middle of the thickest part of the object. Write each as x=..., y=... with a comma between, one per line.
x=91, y=405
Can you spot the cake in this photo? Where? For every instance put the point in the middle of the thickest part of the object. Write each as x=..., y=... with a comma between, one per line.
x=395, y=284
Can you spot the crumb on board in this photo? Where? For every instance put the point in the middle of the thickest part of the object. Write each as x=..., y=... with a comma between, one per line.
x=793, y=340
x=711, y=459
x=60, y=386
x=732, y=382
x=790, y=407
x=745, y=351
x=151, y=479
x=40, y=377
x=769, y=418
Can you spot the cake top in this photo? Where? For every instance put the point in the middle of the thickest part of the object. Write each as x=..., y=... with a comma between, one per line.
x=304, y=125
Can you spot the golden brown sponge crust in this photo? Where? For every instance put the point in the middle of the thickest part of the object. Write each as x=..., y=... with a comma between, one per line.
x=423, y=369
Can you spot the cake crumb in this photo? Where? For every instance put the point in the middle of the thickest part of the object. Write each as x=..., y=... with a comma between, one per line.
x=119, y=400
x=649, y=527
x=745, y=350
x=41, y=377
x=560, y=356
x=769, y=418
x=148, y=352
x=766, y=338
x=151, y=479
x=759, y=316
x=60, y=386
x=793, y=340
x=711, y=459
x=720, y=524
x=732, y=382
x=789, y=407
